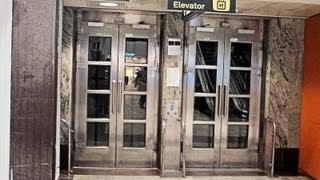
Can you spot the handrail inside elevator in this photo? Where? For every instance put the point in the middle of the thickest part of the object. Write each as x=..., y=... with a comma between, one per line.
x=273, y=145
x=69, y=145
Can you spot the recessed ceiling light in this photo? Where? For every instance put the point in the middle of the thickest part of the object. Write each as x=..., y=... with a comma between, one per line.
x=108, y=4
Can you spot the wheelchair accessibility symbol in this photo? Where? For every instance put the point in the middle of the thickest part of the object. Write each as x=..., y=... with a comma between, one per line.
x=221, y=5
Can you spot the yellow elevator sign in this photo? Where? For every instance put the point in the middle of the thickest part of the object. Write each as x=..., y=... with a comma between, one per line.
x=221, y=5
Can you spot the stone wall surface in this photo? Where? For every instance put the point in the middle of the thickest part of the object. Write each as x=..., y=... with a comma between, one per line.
x=66, y=71
x=285, y=57
x=174, y=29
x=34, y=89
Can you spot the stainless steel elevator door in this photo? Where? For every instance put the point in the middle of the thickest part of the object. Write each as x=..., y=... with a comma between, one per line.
x=223, y=99
x=115, y=123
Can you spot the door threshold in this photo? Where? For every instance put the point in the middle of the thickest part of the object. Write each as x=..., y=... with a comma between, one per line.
x=225, y=172
x=116, y=171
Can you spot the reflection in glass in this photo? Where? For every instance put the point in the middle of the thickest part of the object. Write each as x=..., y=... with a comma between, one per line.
x=99, y=77
x=237, y=137
x=97, y=134
x=136, y=78
x=204, y=108
x=99, y=48
x=240, y=82
x=239, y=109
x=241, y=54
x=203, y=136
x=135, y=107
x=136, y=50
x=206, y=53
x=134, y=135
x=205, y=81
x=98, y=106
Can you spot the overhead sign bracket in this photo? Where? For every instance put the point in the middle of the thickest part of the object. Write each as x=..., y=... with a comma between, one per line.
x=188, y=15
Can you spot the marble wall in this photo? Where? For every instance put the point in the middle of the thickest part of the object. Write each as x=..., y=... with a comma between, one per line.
x=66, y=71
x=284, y=78
x=174, y=29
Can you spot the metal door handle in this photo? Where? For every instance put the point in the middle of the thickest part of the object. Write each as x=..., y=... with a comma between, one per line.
x=113, y=92
x=219, y=94
x=226, y=91
x=120, y=96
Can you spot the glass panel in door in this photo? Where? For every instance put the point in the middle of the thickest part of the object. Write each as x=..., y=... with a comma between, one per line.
x=97, y=134
x=99, y=48
x=136, y=50
x=98, y=77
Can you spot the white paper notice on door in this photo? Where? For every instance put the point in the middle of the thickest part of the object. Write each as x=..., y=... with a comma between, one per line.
x=173, y=77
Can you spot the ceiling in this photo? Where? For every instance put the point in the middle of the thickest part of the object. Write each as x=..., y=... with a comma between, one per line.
x=269, y=8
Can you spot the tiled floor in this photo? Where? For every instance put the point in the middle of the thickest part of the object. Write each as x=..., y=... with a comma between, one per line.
x=78, y=177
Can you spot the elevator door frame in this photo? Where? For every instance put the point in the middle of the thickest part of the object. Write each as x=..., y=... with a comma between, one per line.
x=220, y=156
x=115, y=155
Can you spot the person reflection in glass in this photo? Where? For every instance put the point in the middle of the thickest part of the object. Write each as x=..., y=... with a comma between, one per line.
x=141, y=82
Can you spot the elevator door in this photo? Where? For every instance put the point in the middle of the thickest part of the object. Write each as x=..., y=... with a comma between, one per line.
x=116, y=94
x=223, y=98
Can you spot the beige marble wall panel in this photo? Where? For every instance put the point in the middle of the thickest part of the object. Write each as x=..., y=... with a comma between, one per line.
x=174, y=29
x=66, y=71
x=285, y=57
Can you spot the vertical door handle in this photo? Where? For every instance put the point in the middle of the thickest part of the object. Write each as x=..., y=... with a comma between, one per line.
x=120, y=97
x=219, y=94
x=113, y=93
x=226, y=91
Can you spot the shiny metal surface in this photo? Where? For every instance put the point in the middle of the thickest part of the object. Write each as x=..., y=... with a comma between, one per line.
x=204, y=157
x=273, y=145
x=221, y=154
x=120, y=97
x=94, y=156
x=117, y=154
x=183, y=144
x=163, y=145
x=224, y=108
x=69, y=145
x=113, y=96
x=220, y=99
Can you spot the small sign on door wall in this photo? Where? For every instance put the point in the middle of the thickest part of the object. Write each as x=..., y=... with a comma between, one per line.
x=173, y=79
x=174, y=47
